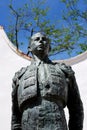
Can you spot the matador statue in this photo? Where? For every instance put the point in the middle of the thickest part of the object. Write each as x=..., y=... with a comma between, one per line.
x=42, y=90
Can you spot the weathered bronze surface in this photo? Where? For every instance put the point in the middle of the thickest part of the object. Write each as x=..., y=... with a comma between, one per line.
x=42, y=90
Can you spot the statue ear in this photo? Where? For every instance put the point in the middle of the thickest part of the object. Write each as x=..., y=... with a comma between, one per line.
x=30, y=46
x=49, y=48
x=29, y=49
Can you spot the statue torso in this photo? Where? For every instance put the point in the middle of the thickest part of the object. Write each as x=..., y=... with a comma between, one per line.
x=42, y=95
x=47, y=81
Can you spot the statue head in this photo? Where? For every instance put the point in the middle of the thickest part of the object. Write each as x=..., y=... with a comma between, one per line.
x=39, y=44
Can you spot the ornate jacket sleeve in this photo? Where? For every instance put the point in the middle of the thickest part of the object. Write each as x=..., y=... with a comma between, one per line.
x=74, y=102
x=16, y=113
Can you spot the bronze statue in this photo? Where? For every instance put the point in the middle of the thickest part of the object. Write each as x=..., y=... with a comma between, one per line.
x=42, y=90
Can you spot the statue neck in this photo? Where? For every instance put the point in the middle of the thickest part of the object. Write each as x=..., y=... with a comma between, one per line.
x=37, y=60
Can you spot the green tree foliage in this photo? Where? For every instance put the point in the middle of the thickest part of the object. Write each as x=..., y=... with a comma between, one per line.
x=28, y=19
x=33, y=17
x=19, y=22
x=75, y=16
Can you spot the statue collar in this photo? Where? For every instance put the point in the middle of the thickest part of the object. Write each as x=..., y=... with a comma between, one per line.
x=37, y=61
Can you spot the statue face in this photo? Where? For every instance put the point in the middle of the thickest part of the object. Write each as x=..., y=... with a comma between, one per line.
x=39, y=44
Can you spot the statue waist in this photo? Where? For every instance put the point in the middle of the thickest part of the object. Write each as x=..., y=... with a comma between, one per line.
x=47, y=115
x=42, y=104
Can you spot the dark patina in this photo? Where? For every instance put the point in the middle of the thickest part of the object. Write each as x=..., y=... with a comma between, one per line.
x=42, y=90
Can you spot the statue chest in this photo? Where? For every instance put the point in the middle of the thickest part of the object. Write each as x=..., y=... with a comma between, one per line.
x=27, y=86
x=50, y=81
x=53, y=83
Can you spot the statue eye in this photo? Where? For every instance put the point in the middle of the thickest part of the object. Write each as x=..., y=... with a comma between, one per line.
x=44, y=38
x=37, y=38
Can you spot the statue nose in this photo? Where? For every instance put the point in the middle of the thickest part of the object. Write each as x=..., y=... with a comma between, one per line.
x=41, y=41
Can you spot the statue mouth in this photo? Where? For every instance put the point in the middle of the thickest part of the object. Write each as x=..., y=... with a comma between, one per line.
x=40, y=47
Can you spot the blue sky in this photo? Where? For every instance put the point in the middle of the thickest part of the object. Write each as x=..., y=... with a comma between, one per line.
x=4, y=13
x=56, y=9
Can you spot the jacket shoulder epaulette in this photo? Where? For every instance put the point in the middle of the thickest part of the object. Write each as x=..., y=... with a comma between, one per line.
x=19, y=74
x=66, y=69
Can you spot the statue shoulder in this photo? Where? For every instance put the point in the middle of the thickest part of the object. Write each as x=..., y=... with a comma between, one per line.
x=19, y=73
x=67, y=69
x=16, y=79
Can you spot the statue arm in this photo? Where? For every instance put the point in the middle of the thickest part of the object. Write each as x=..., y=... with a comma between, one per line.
x=16, y=114
x=74, y=102
x=75, y=106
